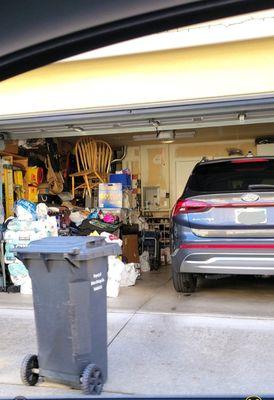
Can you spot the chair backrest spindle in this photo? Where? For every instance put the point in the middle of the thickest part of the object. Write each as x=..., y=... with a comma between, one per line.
x=104, y=156
x=85, y=153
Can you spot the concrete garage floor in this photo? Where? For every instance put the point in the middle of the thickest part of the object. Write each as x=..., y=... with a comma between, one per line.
x=217, y=341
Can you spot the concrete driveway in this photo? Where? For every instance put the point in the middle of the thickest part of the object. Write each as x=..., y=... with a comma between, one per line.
x=217, y=341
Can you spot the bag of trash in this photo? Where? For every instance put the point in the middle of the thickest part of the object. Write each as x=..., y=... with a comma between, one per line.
x=129, y=275
x=42, y=211
x=17, y=225
x=25, y=210
x=144, y=261
x=18, y=272
x=26, y=286
x=115, y=270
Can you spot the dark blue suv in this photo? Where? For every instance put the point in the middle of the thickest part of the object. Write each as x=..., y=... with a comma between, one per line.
x=224, y=221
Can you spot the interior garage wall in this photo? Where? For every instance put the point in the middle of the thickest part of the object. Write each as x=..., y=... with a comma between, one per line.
x=229, y=69
x=156, y=163
x=210, y=149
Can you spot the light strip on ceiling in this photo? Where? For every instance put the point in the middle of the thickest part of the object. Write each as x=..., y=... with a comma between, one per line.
x=178, y=135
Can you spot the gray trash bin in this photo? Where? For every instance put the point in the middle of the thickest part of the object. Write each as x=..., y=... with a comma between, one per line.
x=69, y=276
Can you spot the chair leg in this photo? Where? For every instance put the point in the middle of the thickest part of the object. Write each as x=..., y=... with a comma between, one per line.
x=87, y=185
x=73, y=186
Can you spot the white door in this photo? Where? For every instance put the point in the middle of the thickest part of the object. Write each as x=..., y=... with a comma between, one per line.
x=183, y=170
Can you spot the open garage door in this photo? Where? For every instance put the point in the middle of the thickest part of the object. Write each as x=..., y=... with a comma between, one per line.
x=142, y=119
x=144, y=129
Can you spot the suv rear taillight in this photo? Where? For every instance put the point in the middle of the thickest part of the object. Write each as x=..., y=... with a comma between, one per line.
x=190, y=206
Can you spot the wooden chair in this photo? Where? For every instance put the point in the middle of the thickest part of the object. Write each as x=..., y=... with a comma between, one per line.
x=103, y=160
x=93, y=162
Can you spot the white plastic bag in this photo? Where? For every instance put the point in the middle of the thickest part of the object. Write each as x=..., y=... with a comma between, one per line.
x=77, y=218
x=129, y=275
x=41, y=210
x=144, y=261
x=17, y=224
x=115, y=270
x=52, y=229
x=18, y=272
x=19, y=234
x=110, y=238
x=25, y=210
x=26, y=286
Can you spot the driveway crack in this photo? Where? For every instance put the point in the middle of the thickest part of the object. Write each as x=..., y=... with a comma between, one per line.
x=137, y=311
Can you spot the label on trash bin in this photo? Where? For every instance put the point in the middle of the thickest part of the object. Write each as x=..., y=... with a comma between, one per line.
x=97, y=283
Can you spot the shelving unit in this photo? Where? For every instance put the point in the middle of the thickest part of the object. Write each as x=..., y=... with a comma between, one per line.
x=162, y=225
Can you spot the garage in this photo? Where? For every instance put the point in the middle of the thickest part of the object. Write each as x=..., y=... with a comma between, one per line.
x=156, y=133
x=161, y=146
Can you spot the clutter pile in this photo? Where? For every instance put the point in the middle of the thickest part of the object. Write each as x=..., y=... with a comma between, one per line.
x=31, y=223
x=49, y=188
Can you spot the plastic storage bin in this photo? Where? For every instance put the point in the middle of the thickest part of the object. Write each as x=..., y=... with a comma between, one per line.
x=69, y=276
x=124, y=179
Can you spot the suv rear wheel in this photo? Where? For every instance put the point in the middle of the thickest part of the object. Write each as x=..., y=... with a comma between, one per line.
x=184, y=282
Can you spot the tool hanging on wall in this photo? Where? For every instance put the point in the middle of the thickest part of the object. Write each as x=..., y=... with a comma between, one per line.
x=54, y=179
x=54, y=174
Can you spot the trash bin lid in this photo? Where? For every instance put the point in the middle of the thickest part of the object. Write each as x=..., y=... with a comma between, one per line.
x=84, y=246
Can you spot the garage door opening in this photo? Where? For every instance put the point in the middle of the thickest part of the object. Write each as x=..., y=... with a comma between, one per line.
x=155, y=171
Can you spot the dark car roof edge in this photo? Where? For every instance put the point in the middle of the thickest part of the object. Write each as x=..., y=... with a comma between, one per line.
x=202, y=162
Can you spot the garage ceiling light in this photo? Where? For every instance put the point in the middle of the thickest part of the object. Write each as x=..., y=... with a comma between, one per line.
x=164, y=136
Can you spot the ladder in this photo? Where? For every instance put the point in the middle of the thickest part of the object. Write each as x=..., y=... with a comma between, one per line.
x=8, y=183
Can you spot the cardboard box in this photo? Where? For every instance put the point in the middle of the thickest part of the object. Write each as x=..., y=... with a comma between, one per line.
x=110, y=195
x=130, y=248
x=31, y=194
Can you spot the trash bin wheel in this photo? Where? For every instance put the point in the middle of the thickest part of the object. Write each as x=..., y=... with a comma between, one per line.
x=28, y=376
x=92, y=380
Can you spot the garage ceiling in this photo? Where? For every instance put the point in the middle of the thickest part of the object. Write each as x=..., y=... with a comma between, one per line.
x=180, y=117
x=202, y=135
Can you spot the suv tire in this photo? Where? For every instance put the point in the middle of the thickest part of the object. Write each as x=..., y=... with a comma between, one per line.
x=184, y=282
